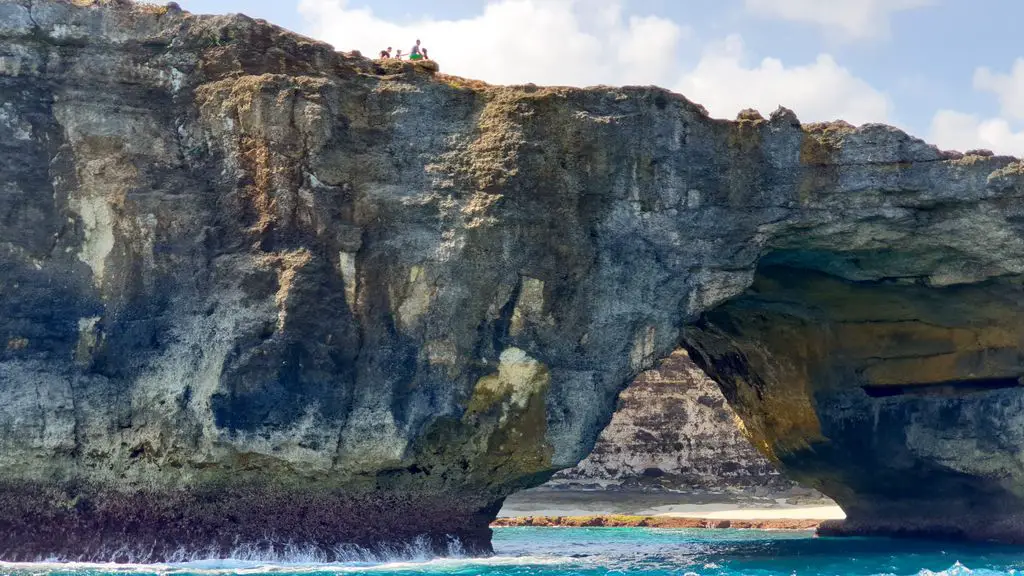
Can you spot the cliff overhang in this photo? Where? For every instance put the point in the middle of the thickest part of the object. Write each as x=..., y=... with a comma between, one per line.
x=252, y=290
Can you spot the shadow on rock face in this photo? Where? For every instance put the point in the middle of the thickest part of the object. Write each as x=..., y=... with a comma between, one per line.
x=231, y=252
x=900, y=401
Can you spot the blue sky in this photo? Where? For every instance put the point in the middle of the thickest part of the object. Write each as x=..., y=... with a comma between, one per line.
x=941, y=69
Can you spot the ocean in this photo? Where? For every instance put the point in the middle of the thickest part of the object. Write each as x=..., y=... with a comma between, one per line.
x=619, y=551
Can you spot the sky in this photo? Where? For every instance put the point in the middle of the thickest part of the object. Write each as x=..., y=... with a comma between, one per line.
x=948, y=71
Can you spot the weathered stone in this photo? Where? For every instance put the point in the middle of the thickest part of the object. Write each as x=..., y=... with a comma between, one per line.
x=245, y=277
x=674, y=430
x=901, y=401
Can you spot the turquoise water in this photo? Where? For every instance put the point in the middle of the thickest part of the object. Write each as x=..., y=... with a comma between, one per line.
x=621, y=551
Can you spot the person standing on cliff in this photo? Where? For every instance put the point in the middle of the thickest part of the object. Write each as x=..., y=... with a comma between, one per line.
x=385, y=54
x=416, y=53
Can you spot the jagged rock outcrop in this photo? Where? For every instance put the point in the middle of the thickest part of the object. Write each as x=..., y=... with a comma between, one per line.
x=674, y=430
x=255, y=291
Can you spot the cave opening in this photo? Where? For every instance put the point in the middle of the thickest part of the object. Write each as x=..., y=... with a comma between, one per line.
x=825, y=383
x=894, y=393
x=673, y=445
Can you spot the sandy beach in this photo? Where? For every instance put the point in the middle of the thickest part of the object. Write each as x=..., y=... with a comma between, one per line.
x=652, y=522
x=553, y=507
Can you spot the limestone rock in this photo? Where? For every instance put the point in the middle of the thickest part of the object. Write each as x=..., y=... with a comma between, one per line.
x=674, y=430
x=253, y=291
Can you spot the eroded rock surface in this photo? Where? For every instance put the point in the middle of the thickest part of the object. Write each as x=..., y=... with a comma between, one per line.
x=674, y=430
x=253, y=291
x=900, y=400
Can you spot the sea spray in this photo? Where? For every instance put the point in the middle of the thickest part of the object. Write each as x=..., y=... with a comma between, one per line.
x=271, y=551
x=600, y=552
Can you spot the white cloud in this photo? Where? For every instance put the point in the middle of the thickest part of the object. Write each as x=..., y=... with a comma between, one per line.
x=820, y=91
x=962, y=131
x=854, y=19
x=572, y=42
x=958, y=131
x=1008, y=87
x=518, y=41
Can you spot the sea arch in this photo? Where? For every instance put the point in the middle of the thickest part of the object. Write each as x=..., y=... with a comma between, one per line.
x=343, y=302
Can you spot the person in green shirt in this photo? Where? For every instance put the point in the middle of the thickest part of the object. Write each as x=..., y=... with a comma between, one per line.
x=416, y=53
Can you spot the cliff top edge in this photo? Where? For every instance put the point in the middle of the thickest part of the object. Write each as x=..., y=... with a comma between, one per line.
x=89, y=23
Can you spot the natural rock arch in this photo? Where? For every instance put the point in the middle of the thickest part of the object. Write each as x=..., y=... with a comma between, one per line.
x=898, y=399
x=254, y=289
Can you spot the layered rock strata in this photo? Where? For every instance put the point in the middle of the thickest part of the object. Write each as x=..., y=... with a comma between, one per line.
x=254, y=292
x=673, y=430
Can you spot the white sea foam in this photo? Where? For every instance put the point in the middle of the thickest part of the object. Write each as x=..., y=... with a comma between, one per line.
x=286, y=559
x=271, y=554
x=959, y=569
x=542, y=552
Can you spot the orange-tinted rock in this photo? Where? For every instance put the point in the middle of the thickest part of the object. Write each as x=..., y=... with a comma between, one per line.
x=900, y=401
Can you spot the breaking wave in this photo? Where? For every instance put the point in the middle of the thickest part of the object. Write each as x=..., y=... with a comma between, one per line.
x=589, y=552
x=268, y=557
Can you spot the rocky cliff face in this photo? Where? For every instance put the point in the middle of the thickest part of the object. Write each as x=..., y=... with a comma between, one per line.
x=674, y=430
x=253, y=291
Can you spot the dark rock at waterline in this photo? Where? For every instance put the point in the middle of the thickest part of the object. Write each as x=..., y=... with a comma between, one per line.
x=230, y=254
x=245, y=519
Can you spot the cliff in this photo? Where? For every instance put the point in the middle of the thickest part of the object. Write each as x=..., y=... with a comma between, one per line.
x=255, y=292
x=674, y=430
